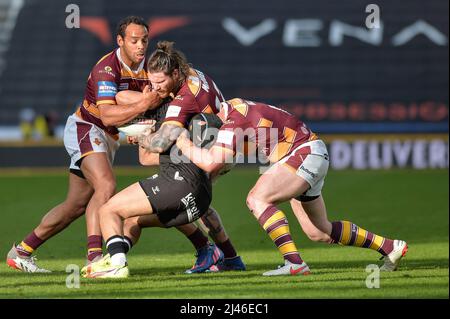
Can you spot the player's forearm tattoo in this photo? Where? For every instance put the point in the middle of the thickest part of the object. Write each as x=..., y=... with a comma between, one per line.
x=160, y=141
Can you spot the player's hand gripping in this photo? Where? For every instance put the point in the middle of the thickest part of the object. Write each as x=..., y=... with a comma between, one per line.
x=183, y=138
x=150, y=99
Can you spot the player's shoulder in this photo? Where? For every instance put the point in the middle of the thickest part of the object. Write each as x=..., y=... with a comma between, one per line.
x=107, y=58
x=107, y=65
x=184, y=97
x=196, y=81
x=240, y=106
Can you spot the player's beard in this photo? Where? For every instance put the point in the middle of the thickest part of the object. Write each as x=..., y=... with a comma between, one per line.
x=173, y=88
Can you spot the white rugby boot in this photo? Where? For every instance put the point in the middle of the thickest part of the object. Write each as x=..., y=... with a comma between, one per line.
x=289, y=269
x=392, y=260
x=23, y=263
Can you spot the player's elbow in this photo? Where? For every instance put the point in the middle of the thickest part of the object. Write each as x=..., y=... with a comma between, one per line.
x=108, y=122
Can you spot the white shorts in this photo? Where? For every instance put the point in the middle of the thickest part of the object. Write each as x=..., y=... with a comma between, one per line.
x=310, y=161
x=82, y=138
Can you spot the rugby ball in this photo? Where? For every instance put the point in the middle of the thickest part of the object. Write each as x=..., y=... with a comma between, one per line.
x=137, y=126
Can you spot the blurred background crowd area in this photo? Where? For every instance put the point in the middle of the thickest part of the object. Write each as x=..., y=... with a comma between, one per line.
x=377, y=94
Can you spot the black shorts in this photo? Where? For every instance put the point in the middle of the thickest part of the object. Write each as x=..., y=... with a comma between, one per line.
x=177, y=202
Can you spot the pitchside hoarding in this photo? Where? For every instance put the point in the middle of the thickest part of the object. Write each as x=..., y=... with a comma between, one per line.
x=345, y=153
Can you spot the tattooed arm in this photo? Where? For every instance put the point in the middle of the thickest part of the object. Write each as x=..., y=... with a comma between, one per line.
x=161, y=140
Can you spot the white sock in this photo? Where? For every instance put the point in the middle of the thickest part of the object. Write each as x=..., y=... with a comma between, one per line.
x=119, y=259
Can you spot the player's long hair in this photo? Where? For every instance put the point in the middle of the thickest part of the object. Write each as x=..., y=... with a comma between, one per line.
x=166, y=59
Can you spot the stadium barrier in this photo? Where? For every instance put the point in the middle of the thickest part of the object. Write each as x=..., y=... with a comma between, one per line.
x=346, y=152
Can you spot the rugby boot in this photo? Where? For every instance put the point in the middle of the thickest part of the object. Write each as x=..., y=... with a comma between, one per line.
x=104, y=269
x=392, y=260
x=23, y=263
x=206, y=257
x=234, y=263
x=289, y=269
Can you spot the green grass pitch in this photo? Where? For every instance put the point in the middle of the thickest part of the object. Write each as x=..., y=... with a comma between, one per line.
x=405, y=204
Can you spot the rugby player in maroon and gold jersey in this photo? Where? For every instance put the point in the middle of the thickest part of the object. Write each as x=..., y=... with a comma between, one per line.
x=90, y=138
x=300, y=164
x=190, y=92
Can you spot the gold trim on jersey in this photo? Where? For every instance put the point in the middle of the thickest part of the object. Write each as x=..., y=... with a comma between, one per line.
x=283, y=148
x=264, y=123
x=106, y=102
x=173, y=123
x=91, y=108
x=193, y=87
x=78, y=112
x=87, y=153
x=208, y=110
x=126, y=74
x=104, y=57
x=239, y=105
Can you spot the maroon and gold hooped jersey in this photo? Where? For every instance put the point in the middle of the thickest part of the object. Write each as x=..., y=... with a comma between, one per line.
x=109, y=76
x=274, y=131
x=198, y=94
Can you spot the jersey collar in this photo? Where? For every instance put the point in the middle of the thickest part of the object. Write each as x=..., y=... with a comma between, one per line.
x=139, y=68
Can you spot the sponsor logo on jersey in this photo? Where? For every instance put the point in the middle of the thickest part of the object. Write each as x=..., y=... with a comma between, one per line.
x=191, y=207
x=107, y=70
x=173, y=111
x=123, y=86
x=307, y=171
x=155, y=189
x=178, y=97
x=177, y=176
x=107, y=89
x=97, y=141
x=225, y=137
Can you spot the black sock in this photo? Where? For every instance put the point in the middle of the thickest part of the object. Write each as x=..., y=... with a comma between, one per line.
x=128, y=243
x=115, y=245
